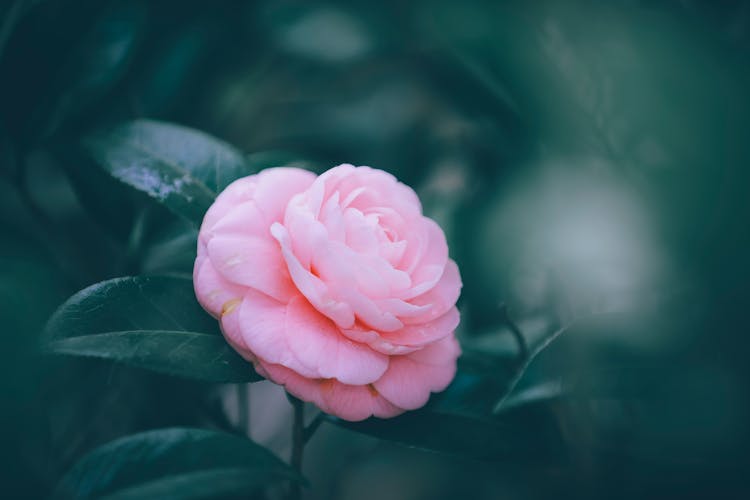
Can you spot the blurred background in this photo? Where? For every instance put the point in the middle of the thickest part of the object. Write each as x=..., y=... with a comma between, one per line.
x=588, y=161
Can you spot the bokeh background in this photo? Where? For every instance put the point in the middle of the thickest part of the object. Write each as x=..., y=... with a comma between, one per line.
x=588, y=161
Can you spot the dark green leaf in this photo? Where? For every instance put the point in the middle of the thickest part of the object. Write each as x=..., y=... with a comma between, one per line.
x=173, y=463
x=270, y=159
x=211, y=483
x=182, y=168
x=94, y=66
x=171, y=249
x=147, y=322
x=200, y=356
x=480, y=380
x=132, y=303
x=504, y=440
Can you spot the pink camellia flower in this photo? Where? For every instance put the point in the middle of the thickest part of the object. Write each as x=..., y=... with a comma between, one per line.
x=336, y=287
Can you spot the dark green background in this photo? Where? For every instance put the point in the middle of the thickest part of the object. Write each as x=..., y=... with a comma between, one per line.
x=589, y=162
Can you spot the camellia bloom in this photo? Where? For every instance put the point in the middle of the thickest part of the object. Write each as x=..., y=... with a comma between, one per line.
x=336, y=287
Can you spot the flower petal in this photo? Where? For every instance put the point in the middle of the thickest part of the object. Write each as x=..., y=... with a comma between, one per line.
x=410, y=378
x=212, y=290
x=298, y=337
x=440, y=298
x=252, y=262
x=349, y=402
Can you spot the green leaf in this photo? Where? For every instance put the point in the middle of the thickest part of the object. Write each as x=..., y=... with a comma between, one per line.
x=151, y=322
x=182, y=168
x=480, y=380
x=93, y=67
x=269, y=159
x=194, y=355
x=132, y=303
x=173, y=463
x=211, y=483
x=509, y=439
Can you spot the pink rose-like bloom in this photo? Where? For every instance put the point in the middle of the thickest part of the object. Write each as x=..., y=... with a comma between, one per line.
x=336, y=287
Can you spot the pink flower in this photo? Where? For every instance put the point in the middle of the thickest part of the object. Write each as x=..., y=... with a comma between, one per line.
x=336, y=287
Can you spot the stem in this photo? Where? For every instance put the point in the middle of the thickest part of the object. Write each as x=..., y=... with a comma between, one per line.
x=313, y=426
x=523, y=348
x=525, y=365
x=243, y=405
x=298, y=445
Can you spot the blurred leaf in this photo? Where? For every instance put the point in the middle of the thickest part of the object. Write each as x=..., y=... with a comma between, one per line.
x=201, y=356
x=94, y=66
x=173, y=463
x=181, y=168
x=269, y=159
x=172, y=249
x=148, y=322
x=460, y=420
x=106, y=200
x=206, y=484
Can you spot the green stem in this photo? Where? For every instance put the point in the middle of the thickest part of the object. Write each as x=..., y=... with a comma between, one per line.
x=298, y=445
x=243, y=405
x=523, y=348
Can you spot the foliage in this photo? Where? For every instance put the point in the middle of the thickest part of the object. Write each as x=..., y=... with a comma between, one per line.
x=586, y=159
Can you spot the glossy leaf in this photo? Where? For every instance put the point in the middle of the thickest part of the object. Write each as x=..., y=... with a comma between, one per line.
x=173, y=463
x=147, y=322
x=183, y=169
x=132, y=303
x=188, y=354
x=510, y=439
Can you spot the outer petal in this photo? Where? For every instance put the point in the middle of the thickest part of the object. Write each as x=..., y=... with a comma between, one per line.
x=410, y=378
x=408, y=339
x=276, y=186
x=349, y=402
x=253, y=262
x=356, y=402
x=421, y=334
x=235, y=193
x=212, y=290
x=431, y=262
x=441, y=298
x=298, y=337
x=230, y=327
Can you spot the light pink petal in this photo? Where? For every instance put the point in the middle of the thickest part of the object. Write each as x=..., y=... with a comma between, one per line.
x=355, y=403
x=244, y=219
x=306, y=389
x=318, y=343
x=432, y=260
x=441, y=298
x=276, y=186
x=262, y=326
x=230, y=327
x=310, y=285
x=235, y=193
x=408, y=339
x=296, y=336
x=212, y=290
x=424, y=333
x=348, y=402
x=252, y=262
x=410, y=378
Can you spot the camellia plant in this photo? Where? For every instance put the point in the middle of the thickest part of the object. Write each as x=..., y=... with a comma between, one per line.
x=537, y=289
x=335, y=286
